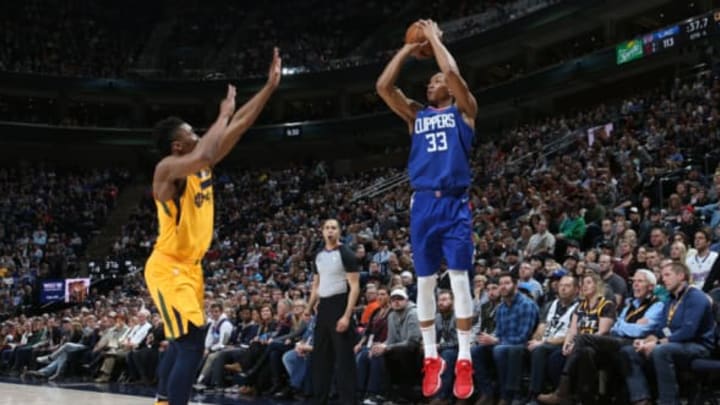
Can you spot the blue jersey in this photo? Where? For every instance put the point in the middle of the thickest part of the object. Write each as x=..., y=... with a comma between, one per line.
x=440, y=151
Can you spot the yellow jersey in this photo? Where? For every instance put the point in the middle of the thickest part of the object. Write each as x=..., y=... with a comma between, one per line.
x=186, y=223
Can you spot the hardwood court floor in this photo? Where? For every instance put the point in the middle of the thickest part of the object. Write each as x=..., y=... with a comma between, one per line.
x=14, y=391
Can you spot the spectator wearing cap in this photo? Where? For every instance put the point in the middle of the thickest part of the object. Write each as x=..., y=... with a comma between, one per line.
x=408, y=282
x=686, y=332
x=542, y=241
x=686, y=222
x=572, y=246
x=549, y=336
x=400, y=352
x=516, y=319
x=481, y=266
x=552, y=284
x=607, y=236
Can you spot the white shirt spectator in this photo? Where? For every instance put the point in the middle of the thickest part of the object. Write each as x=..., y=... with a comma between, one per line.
x=138, y=333
x=700, y=266
x=218, y=333
x=557, y=321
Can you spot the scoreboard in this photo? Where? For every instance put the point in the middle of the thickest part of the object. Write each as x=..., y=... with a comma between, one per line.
x=670, y=37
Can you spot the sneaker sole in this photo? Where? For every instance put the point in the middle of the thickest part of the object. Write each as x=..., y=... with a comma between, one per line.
x=438, y=385
x=472, y=391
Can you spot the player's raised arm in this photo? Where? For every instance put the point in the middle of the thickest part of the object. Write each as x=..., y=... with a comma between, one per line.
x=246, y=115
x=401, y=105
x=458, y=87
x=179, y=137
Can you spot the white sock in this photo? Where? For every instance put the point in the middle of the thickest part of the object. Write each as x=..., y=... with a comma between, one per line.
x=428, y=335
x=464, y=344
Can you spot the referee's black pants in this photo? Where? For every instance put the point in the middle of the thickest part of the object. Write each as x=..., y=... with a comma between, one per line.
x=332, y=354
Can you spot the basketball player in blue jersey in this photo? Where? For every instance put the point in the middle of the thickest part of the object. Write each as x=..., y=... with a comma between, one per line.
x=440, y=218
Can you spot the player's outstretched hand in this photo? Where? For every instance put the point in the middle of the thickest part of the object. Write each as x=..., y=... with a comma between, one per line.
x=275, y=69
x=430, y=29
x=227, y=105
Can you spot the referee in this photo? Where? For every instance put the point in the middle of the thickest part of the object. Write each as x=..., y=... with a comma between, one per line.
x=336, y=285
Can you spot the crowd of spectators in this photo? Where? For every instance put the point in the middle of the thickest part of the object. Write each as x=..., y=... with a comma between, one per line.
x=210, y=39
x=47, y=218
x=74, y=38
x=626, y=192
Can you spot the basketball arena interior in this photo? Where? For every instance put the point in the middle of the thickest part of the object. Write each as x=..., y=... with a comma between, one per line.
x=591, y=204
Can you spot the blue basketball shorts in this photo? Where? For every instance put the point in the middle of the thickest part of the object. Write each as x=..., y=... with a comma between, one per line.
x=440, y=227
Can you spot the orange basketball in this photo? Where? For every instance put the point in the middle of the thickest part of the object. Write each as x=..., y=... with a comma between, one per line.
x=415, y=35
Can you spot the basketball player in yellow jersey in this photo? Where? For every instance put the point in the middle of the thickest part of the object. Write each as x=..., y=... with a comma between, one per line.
x=183, y=192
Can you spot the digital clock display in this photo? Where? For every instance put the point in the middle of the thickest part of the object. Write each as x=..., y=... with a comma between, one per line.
x=669, y=37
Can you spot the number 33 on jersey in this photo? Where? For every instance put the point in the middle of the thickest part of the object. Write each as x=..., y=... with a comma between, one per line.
x=440, y=151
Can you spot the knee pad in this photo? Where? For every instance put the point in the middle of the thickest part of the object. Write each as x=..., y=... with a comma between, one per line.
x=426, y=298
x=460, y=284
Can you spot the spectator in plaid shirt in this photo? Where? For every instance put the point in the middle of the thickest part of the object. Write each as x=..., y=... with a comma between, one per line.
x=516, y=319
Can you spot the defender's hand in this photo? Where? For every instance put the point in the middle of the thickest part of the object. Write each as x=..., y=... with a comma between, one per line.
x=275, y=69
x=227, y=105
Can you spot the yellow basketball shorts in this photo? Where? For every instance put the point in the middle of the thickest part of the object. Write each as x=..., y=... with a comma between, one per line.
x=178, y=290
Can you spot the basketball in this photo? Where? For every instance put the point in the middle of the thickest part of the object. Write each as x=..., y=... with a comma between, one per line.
x=415, y=35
